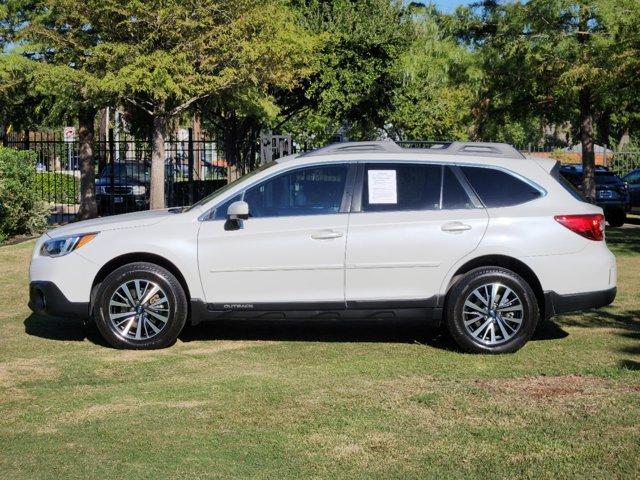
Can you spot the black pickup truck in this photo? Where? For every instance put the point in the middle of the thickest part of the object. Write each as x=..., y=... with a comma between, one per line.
x=123, y=187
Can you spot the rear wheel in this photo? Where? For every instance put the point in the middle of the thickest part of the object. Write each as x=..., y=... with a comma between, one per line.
x=491, y=310
x=140, y=306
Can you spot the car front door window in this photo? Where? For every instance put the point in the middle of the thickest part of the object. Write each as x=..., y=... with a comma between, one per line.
x=305, y=191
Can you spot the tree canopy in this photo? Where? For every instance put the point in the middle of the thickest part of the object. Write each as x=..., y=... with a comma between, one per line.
x=543, y=72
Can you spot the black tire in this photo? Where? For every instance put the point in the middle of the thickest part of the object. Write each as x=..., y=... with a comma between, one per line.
x=169, y=289
x=465, y=286
x=616, y=218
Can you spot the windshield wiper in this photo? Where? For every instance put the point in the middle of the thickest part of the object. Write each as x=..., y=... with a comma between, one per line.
x=177, y=209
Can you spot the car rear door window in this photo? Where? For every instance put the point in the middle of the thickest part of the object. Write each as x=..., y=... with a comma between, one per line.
x=497, y=188
x=454, y=196
x=401, y=187
x=305, y=191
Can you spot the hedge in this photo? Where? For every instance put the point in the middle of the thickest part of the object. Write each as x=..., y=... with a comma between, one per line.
x=21, y=210
x=57, y=187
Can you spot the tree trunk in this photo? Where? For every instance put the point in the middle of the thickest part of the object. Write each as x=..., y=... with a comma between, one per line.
x=88, y=208
x=625, y=139
x=586, y=140
x=230, y=143
x=3, y=132
x=157, y=199
x=102, y=138
x=197, y=139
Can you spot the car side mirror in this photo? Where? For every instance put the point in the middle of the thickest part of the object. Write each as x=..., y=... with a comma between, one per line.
x=236, y=213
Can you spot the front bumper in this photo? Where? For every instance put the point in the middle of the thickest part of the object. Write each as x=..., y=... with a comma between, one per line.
x=556, y=303
x=46, y=298
x=107, y=203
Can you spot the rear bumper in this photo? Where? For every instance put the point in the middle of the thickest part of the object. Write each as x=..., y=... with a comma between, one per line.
x=46, y=298
x=610, y=205
x=556, y=304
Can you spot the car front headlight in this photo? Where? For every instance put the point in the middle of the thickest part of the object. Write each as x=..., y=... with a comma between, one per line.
x=138, y=190
x=60, y=246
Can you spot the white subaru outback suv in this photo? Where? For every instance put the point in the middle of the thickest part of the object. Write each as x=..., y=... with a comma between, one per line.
x=472, y=235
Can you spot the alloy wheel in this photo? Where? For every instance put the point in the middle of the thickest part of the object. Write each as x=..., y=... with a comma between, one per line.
x=139, y=309
x=492, y=313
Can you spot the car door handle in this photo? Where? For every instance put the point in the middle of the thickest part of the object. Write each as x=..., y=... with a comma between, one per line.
x=326, y=235
x=455, y=227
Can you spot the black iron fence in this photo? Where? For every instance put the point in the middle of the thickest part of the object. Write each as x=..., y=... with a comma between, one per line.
x=194, y=167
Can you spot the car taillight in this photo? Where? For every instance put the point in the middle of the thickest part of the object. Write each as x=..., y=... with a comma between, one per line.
x=590, y=226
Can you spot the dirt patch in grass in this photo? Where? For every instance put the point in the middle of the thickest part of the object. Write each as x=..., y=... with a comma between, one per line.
x=200, y=348
x=23, y=370
x=216, y=347
x=120, y=406
x=548, y=387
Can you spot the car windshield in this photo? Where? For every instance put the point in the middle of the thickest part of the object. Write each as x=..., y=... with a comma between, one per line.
x=229, y=186
x=125, y=170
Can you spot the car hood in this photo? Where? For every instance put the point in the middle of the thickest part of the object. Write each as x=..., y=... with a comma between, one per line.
x=128, y=220
x=119, y=181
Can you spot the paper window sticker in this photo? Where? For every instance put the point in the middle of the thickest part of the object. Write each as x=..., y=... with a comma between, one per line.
x=383, y=188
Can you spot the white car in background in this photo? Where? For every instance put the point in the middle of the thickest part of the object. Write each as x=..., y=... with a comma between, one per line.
x=472, y=235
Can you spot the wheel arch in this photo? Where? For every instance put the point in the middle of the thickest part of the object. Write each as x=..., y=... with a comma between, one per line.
x=504, y=261
x=128, y=258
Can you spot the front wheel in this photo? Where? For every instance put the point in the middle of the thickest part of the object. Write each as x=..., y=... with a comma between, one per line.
x=491, y=310
x=140, y=306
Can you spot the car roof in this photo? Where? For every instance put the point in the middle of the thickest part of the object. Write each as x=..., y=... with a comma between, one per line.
x=444, y=151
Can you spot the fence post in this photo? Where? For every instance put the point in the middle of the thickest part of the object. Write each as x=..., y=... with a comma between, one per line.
x=191, y=166
x=112, y=155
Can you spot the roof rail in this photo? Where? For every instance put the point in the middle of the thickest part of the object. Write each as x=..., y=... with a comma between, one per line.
x=356, y=147
x=487, y=149
x=484, y=149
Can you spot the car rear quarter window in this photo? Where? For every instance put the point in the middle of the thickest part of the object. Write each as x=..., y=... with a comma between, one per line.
x=497, y=188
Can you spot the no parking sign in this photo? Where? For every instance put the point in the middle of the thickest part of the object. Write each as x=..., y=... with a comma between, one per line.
x=69, y=134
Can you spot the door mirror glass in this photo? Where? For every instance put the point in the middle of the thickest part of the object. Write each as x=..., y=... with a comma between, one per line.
x=238, y=211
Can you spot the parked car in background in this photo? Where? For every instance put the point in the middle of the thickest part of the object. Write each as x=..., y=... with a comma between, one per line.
x=632, y=179
x=123, y=187
x=470, y=235
x=612, y=193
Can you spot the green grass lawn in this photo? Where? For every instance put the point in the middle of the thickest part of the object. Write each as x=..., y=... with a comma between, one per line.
x=320, y=400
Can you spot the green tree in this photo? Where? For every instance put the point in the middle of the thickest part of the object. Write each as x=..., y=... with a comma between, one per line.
x=58, y=41
x=166, y=56
x=437, y=82
x=551, y=59
x=354, y=80
x=160, y=58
